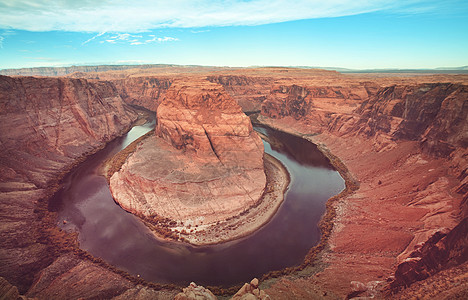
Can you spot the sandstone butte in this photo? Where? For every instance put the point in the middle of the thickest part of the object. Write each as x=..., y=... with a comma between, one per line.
x=401, y=235
x=204, y=165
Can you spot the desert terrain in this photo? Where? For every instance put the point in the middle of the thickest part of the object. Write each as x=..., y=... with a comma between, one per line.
x=398, y=230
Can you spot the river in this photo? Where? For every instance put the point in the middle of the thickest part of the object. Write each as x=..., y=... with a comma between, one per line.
x=107, y=231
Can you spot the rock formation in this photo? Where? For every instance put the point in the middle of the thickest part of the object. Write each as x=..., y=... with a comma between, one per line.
x=402, y=137
x=298, y=101
x=46, y=125
x=442, y=250
x=48, y=122
x=406, y=144
x=248, y=91
x=195, y=292
x=146, y=92
x=250, y=291
x=205, y=166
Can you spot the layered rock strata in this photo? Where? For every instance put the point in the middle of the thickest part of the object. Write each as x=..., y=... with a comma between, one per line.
x=406, y=145
x=46, y=125
x=407, y=194
x=145, y=92
x=204, y=166
x=248, y=91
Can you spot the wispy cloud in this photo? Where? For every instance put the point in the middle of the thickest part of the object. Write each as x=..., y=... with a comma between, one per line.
x=5, y=34
x=199, y=31
x=94, y=37
x=142, y=15
x=132, y=39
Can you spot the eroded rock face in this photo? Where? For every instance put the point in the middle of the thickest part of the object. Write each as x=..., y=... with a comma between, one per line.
x=406, y=144
x=146, y=92
x=298, y=101
x=442, y=250
x=433, y=114
x=46, y=124
x=203, y=118
x=248, y=91
x=205, y=165
x=250, y=291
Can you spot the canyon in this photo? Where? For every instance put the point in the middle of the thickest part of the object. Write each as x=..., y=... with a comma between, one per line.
x=203, y=167
x=399, y=229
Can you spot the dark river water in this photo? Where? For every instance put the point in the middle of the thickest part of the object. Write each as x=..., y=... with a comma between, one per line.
x=107, y=231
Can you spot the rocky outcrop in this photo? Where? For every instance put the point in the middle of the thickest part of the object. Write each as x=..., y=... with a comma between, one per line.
x=298, y=101
x=8, y=291
x=433, y=114
x=248, y=91
x=406, y=144
x=442, y=250
x=146, y=92
x=250, y=291
x=65, y=278
x=195, y=292
x=205, y=166
x=316, y=105
x=46, y=125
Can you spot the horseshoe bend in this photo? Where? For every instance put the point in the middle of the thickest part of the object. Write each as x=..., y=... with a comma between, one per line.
x=203, y=167
x=202, y=177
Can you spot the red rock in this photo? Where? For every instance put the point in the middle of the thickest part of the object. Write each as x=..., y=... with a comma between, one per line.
x=195, y=292
x=248, y=91
x=46, y=125
x=146, y=92
x=206, y=166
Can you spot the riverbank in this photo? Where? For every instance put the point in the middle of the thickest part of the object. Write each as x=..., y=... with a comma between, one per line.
x=374, y=227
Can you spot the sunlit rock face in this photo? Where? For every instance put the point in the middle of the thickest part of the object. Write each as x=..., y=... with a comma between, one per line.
x=205, y=163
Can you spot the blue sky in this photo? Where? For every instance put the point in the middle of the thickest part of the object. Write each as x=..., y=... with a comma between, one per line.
x=335, y=33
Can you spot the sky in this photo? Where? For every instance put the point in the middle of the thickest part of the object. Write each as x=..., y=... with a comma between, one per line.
x=356, y=34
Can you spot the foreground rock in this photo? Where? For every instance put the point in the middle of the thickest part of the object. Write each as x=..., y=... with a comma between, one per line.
x=195, y=292
x=251, y=291
x=204, y=166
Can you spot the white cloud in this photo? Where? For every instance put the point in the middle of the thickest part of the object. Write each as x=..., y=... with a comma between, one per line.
x=94, y=37
x=161, y=40
x=127, y=38
x=143, y=15
x=4, y=34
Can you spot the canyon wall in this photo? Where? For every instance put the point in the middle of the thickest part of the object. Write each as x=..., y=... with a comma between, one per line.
x=404, y=140
x=145, y=92
x=248, y=91
x=46, y=125
x=406, y=144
